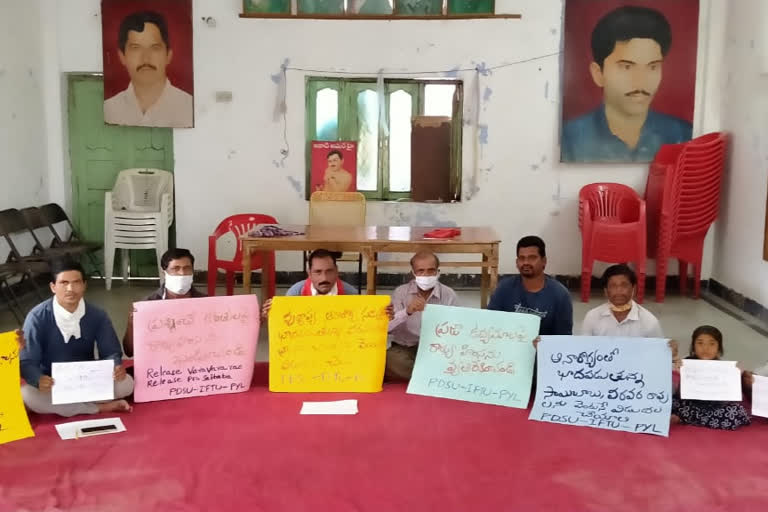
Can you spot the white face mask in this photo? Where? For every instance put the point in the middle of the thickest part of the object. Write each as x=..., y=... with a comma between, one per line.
x=426, y=282
x=179, y=285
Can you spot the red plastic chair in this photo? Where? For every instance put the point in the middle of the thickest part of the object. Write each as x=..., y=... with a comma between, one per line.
x=237, y=225
x=683, y=191
x=612, y=224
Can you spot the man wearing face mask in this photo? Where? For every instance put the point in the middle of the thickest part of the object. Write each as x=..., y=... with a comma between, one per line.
x=179, y=267
x=621, y=315
x=409, y=301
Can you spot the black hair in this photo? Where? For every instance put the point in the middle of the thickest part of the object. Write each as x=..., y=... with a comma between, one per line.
x=175, y=254
x=322, y=253
x=629, y=22
x=712, y=331
x=532, y=241
x=136, y=21
x=619, y=270
x=65, y=264
x=335, y=152
x=423, y=254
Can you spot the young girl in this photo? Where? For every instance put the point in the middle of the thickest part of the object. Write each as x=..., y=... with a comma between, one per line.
x=707, y=343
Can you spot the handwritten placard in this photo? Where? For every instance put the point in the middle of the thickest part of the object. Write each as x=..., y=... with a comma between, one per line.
x=333, y=343
x=82, y=381
x=710, y=380
x=605, y=382
x=194, y=347
x=475, y=355
x=760, y=396
x=14, y=423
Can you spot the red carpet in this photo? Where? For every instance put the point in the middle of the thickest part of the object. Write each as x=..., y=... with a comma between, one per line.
x=253, y=452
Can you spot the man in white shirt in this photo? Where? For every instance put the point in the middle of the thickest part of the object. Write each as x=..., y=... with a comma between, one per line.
x=409, y=301
x=621, y=315
x=150, y=99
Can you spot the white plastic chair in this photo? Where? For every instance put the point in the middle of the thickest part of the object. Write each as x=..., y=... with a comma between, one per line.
x=138, y=213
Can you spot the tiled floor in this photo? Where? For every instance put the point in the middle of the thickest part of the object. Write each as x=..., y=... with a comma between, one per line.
x=743, y=336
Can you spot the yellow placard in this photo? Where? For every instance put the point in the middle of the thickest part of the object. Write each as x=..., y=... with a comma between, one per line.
x=14, y=423
x=336, y=343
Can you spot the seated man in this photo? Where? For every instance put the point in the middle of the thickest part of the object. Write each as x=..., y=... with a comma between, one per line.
x=65, y=328
x=621, y=315
x=179, y=267
x=409, y=301
x=323, y=279
x=534, y=292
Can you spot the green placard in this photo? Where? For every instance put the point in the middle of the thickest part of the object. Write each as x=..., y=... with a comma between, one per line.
x=470, y=7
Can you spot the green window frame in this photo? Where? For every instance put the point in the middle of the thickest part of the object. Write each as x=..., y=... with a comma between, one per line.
x=348, y=125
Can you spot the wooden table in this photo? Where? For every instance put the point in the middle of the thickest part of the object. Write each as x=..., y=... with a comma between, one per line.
x=372, y=240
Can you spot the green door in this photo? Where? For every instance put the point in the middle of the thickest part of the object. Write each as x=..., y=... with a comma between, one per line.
x=98, y=152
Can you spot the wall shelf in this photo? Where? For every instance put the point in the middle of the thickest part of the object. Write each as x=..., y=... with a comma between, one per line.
x=383, y=17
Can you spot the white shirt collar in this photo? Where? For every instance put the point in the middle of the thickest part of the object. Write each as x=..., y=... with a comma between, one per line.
x=68, y=323
x=334, y=290
x=132, y=94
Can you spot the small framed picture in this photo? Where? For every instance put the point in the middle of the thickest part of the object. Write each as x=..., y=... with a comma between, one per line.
x=267, y=6
x=419, y=7
x=321, y=6
x=471, y=7
x=370, y=7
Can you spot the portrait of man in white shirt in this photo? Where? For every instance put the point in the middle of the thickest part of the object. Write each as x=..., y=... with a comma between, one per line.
x=144, y=49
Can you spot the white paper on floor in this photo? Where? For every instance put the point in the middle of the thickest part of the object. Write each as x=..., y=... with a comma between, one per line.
x=337, y=407
x=74, y=429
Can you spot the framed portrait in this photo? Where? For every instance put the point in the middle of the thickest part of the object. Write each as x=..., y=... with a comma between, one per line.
x=267, y=6
x=629, y=78
x=321, y=6
x=370, y=7
x=471, y=7
x=148, y=77
x=419, y=7
x=333, y=166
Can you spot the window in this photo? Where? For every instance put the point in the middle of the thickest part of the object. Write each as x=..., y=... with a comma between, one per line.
x=348, y=109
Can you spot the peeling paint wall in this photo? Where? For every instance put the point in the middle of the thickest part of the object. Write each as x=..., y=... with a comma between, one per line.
x=22, y=123
x=739, y=260
x=240, y=157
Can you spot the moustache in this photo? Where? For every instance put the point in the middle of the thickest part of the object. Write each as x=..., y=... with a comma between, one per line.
x=150, y=66
x=638, y=91
x=324, y=283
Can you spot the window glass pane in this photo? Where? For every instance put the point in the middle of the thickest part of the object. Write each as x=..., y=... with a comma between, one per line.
x=321, y=6
x=438, y=99
x=368, y=140
x=370, y=6
x=400, y=111
x=327, y=114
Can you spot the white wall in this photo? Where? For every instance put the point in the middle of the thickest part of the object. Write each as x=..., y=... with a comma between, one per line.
x=22, y=124
x=739, y=253
x=231, y=161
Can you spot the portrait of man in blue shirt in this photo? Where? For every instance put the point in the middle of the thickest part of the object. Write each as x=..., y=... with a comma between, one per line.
x=628, y=49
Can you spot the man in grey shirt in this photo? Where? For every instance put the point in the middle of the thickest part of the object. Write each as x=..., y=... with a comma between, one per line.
x=409, y=301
